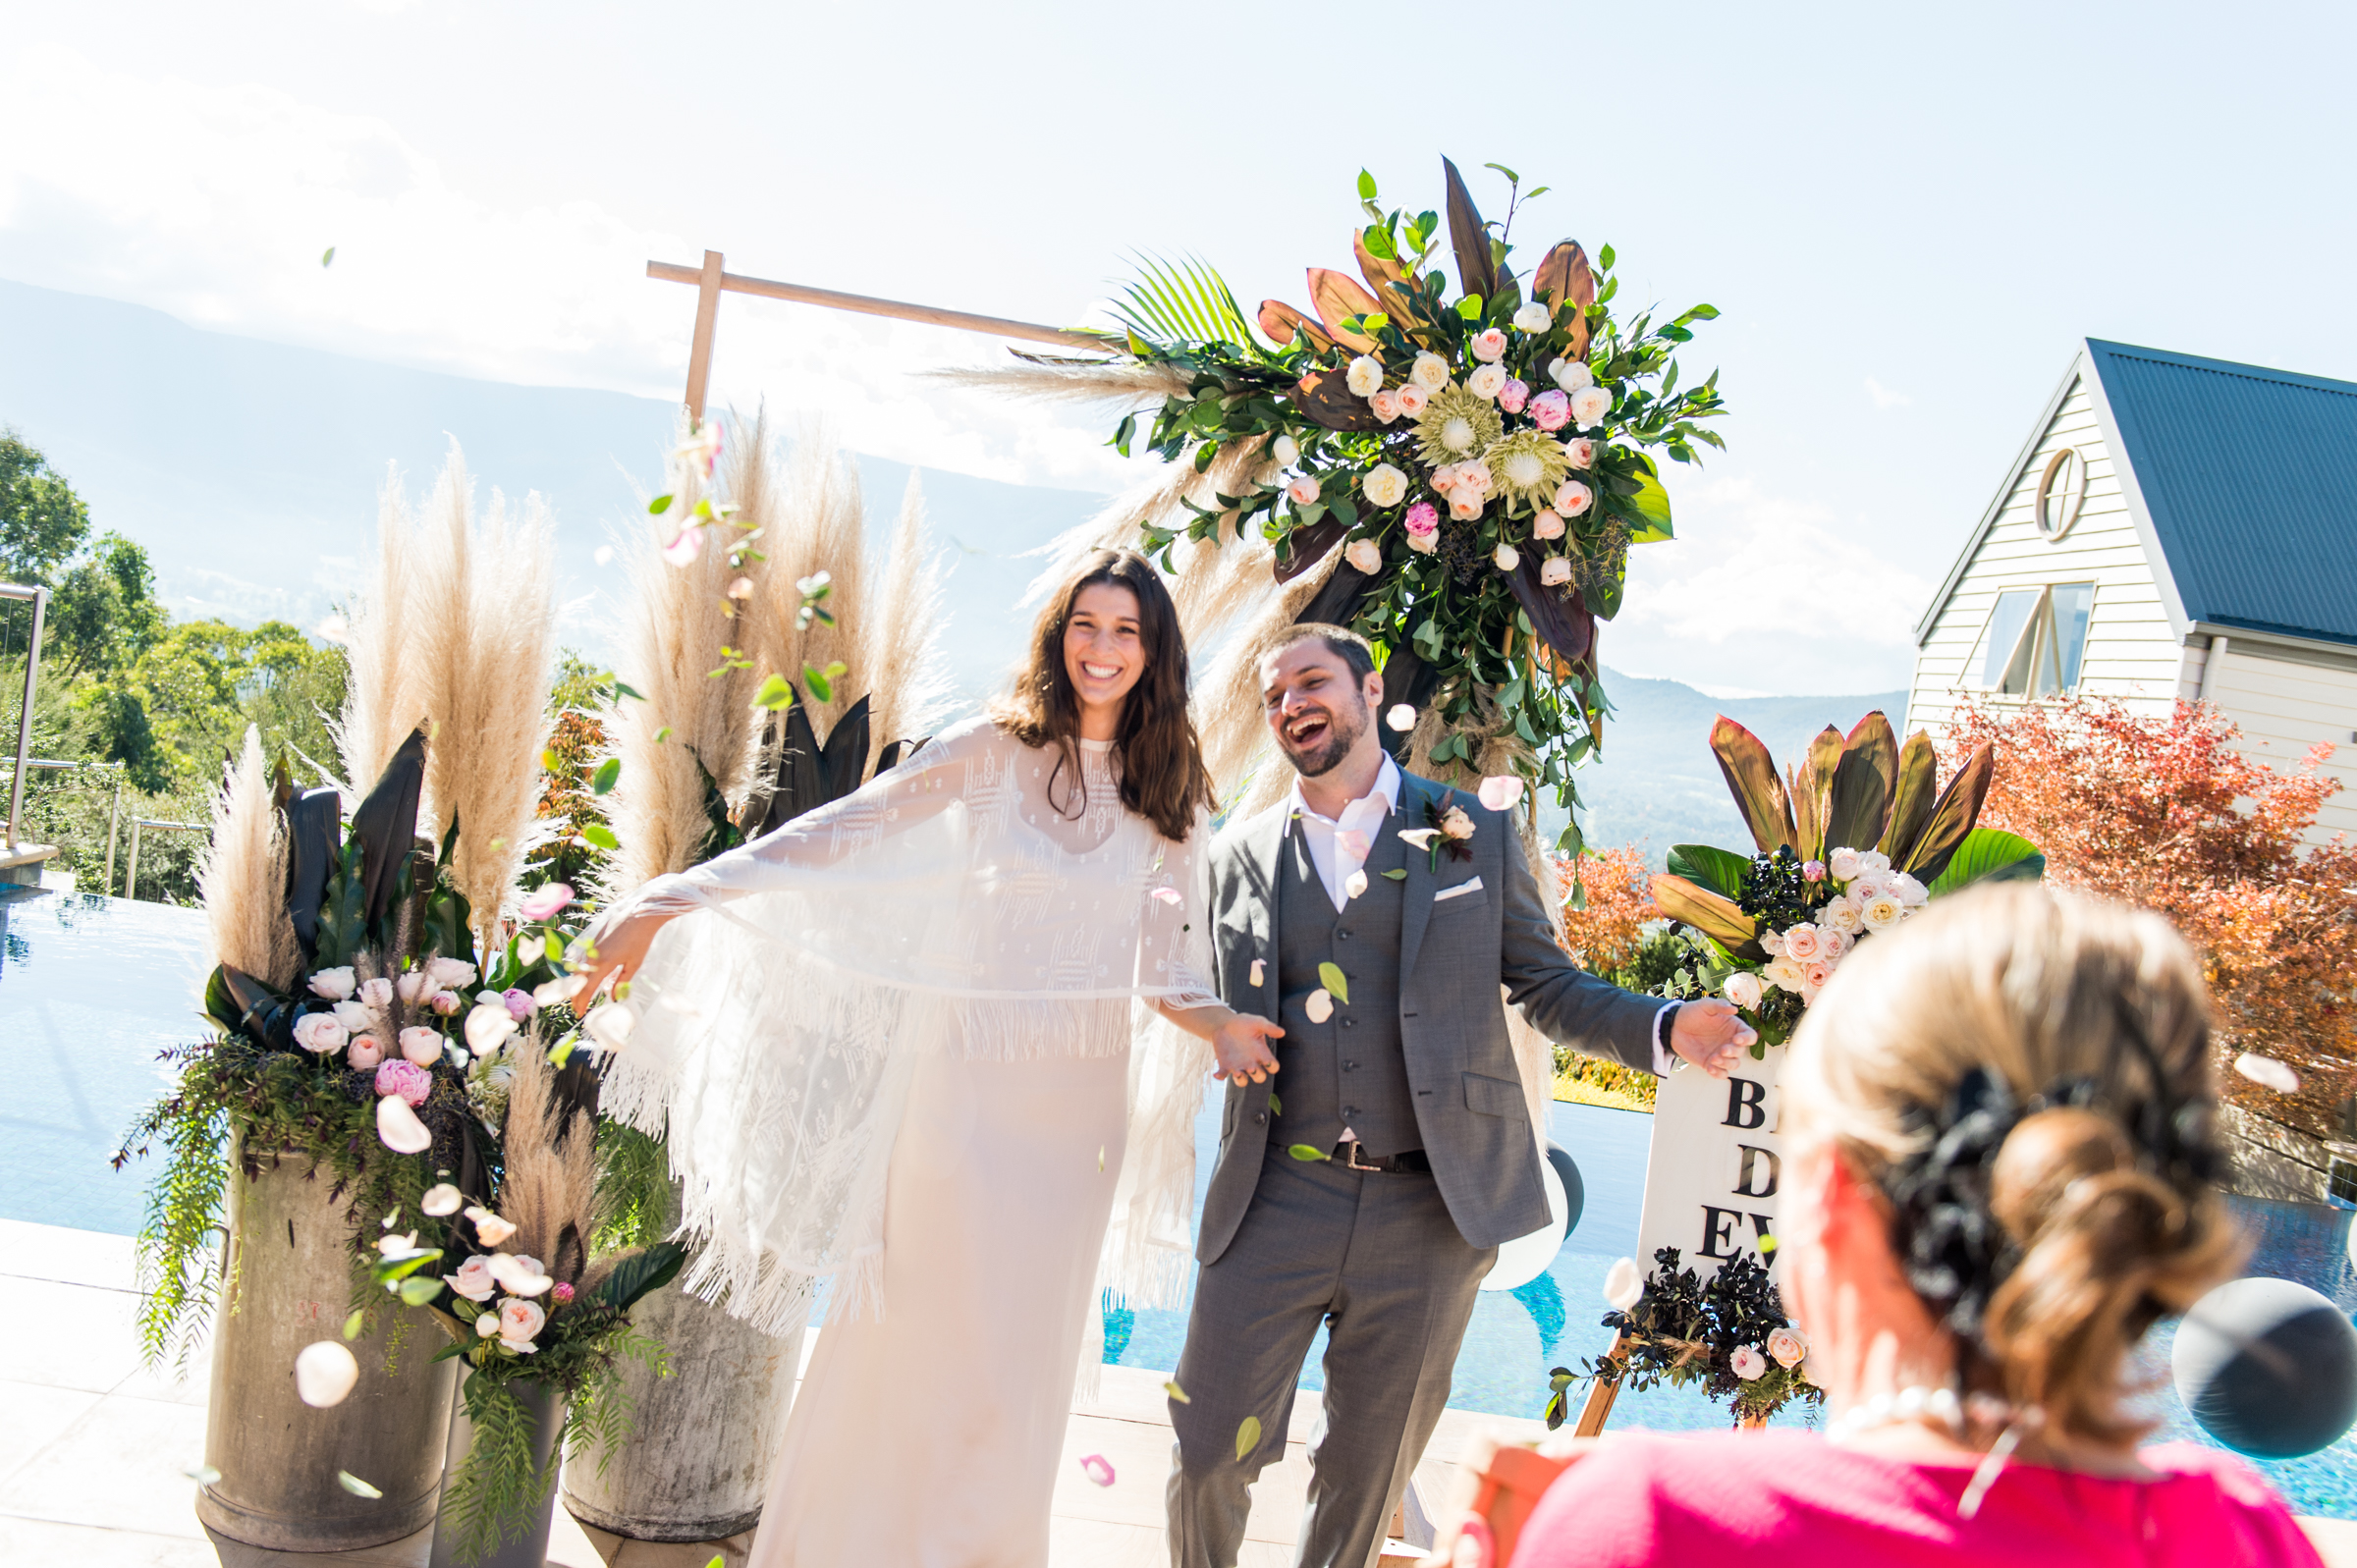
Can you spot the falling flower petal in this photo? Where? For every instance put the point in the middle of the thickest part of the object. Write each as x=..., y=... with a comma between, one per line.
x=1401, y=717
x=1096, y=1469
x=1355, y=885
x=610, y=1026
x=325, y=1373
x=604, y=556
x=544, y=901
x=355, y=1485
x=1169, y=895
x=2268, y=1072
x=528, y=949
x=399, y=1128
x=1260, y=973
x=520, y=1276
x=1247, y=1436
x=488, y=1026
x=441, y=1199
x=548, y=992
x=335, y=628
x=682, y=550
x=1319, y=1005
x=1622, y=1284
x=489, y=1228
x=1175, y=1393
x=203, y=1475
x=1501, y=792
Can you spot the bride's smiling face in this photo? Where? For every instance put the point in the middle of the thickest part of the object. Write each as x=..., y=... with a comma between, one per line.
x=1103, y=653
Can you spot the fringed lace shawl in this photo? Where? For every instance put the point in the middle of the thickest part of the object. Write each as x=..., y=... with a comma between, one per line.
x=974, y=900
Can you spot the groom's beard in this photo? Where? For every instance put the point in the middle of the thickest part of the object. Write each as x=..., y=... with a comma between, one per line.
x=1325, y=752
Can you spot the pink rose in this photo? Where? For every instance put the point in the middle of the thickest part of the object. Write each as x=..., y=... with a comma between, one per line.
x=474, y=1280
x=1423, y=527
x=1513, y=395
x=1455, y=824
x=520, y=1005
x=1819, y=973
x=406, y=1079
x=1555, y=572
x=413, y=987
x=1571, y=498
x=1414, y=400
x=1788, y=1346
x=1551, y=410
x=1814, y=871
x=1747, y=1364
x=377, y=992
x=422, y=1045
x=1489, y=345
x=1386, y=404
x=1464, y=505
x=1548, y=525
x=1835, y=943
x=319, y=1034
x=1801, y=942
x=1303, y=490
x=1582, y=452
x=1365, y=555
x=446, y=1002
x=1445, y=477
x=518, y=1321
x=366, y=1052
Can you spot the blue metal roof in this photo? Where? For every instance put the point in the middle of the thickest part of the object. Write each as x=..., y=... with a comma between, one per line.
x=2249, y=479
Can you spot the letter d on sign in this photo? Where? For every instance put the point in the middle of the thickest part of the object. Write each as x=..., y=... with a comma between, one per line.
x=1746, y=1104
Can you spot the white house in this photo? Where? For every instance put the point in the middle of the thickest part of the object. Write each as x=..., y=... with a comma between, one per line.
x=2173, y=528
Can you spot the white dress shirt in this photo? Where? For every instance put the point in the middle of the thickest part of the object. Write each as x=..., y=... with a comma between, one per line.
x=1338, y=845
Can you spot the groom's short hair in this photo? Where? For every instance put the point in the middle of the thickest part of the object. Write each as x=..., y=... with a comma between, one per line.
x=1341, y=642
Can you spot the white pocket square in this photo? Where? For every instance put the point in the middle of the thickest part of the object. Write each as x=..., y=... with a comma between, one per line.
x=1457, y=892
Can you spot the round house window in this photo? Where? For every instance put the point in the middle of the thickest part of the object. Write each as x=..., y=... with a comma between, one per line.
x=2061, y=491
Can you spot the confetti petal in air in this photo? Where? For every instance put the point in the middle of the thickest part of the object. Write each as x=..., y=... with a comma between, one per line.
x=203, y=1475
x=1096, y=1469
x=1501, y=792
x=2268, y=1072
x=1169, y=895
x=604, y=556
x=682, y=550
x=1175, y=1393
x=1247, y=1436
x=1401, y=717
x=355, y=1485
x=610, y=1026
x=441, y=1199
x=1355, y=885
x=1260, y=973
x=1622, y=1284
x=399, y=1129
x=543, y=903
x=1319, y=1005
x=325, y=1373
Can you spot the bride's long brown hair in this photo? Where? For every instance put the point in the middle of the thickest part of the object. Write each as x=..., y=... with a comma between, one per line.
x=1160, y=772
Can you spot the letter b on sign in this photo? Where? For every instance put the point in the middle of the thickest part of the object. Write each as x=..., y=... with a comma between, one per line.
x=1746, y=1104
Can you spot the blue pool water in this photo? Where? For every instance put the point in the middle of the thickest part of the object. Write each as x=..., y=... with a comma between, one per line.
x=91, y=988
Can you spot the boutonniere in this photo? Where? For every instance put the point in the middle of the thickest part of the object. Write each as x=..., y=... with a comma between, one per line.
x=1448, y=830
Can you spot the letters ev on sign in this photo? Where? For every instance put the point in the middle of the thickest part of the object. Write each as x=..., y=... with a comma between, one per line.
x=1716, y=1162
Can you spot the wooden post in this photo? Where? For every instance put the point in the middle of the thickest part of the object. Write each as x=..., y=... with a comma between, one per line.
x=707, y=315
x=1601, y=1394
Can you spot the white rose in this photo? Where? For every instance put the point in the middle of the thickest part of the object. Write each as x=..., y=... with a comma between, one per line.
x=1285, y=450
x=1507, y=557
x=1842, y=863
x=1785, y=975
x=520, y=1276
x=1747, y=1364
x=1801, y=942
x=1534, y=317
x=356, y=1017
x=1914, y=895
x=336, y=985
x=1873, y=861
x=1623, y=1285
x=1384, y=485
x=1773, y=942
x=450, y=974
x=1589, y=405
x=1364, y=378
x=487, y=1326
x=423, y=1047
x=1743, y=989
x=1837, y=942
x=1555, y=572
x=1572, y=375
x=1882, y=911
x=1548, y=525
x=1487, y=381
x=1430, y=372
x=1581, y=451
x=1474, y=474
x=1841, y=915
x=1366, y=555
x=321, y=1033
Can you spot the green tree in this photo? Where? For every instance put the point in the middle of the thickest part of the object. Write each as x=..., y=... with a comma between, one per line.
x=43, y=521
x=104, y=614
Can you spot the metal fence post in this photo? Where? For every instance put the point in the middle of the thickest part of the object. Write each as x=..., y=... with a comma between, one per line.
x=131, y=876
x=32, y=672
x=113, y=817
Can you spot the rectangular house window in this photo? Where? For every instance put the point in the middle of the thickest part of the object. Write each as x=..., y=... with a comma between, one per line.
x=2344, y=1182
x=2037, y=640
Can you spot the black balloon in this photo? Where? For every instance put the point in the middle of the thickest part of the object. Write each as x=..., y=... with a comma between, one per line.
x=1576, y=1192
x=2268, y=1368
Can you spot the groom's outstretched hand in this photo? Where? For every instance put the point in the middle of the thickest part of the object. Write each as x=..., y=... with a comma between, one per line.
x=1712, y=1035
x=1242, y=1046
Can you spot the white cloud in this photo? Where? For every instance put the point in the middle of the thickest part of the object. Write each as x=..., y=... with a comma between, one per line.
x=1884, y=396
x=1785, y=595
x=214, y=203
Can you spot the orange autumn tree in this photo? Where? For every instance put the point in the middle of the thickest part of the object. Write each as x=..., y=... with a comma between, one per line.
x=2167, y=813
x=1604, y=933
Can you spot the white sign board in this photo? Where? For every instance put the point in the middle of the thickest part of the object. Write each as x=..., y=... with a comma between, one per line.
x=1716, y=1163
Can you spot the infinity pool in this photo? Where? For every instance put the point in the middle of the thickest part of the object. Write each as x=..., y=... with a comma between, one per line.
x=92, y=988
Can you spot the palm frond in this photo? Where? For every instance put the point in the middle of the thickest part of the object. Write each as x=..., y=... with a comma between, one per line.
x=1184, y=302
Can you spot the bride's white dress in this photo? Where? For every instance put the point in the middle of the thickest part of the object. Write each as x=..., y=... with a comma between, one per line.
x=902, y=1045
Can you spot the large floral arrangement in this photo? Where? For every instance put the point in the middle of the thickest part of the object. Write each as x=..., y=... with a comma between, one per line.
x=1857, y=841
x=1482, y=454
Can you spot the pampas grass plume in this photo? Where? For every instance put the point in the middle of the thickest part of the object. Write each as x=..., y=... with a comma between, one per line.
x=241, y=875
x=382, y=700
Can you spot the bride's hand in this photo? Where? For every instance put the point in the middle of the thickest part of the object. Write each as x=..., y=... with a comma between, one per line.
x=619, y=947
x=1241, y=1045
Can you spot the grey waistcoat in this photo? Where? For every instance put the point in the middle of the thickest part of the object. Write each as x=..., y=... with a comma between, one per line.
x=1349, y=1071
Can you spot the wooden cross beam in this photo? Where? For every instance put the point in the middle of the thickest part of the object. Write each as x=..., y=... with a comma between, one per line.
x=712, y=283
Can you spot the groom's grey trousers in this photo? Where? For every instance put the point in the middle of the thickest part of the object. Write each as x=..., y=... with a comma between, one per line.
x=1379, y=1261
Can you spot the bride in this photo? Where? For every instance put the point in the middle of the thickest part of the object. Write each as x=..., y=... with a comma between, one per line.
x=911, y=1044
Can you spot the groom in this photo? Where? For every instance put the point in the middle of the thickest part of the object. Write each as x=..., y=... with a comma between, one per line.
x=1367, y=1184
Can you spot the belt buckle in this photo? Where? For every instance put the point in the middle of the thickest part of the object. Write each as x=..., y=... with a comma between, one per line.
x=1351, y=1163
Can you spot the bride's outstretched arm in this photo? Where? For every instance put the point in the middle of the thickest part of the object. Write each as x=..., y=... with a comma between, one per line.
x=819, y=846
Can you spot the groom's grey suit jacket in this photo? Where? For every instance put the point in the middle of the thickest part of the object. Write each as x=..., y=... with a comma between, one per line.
x=1451, y=956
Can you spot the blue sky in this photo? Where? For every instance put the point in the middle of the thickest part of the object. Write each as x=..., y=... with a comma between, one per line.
x=1906, y=215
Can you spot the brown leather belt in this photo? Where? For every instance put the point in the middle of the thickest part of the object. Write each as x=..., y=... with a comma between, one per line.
x=1352, y=1156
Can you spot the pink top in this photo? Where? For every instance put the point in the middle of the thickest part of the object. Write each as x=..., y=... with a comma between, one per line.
x=1767, y=1497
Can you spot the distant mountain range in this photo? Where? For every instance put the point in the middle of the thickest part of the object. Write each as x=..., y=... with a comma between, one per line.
x=249, y=471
